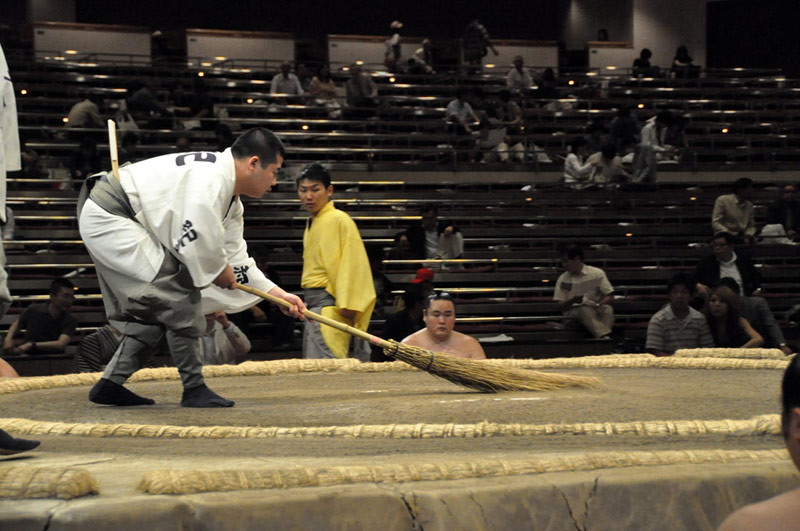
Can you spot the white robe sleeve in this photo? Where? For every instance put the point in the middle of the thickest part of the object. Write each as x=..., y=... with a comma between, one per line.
x=244, y=266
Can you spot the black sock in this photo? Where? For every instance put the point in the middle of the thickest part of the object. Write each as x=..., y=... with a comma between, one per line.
x=112, y=394
x=9, y=445
x=202, y=396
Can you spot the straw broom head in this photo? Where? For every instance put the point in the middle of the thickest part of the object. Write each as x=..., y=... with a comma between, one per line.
x=481, y=376
x=460, y=371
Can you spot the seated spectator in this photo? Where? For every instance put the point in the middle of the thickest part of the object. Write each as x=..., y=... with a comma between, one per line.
x=361, y=90
x=757, y=312
x=402, y=249
x=595, y=137
x=284, y=82
x=518, y=78
x=779, y=512
x=423, y=57
x=724, y=261
x=145, y=108
x=677, y=325
x=624, y=130
x=129, y=148
x=303, y=76
x=459, y=113
x=183, y=144
x=675, y=134
x=653, y=132
x=439, y=240
x=547, y=85
x=48, y=326
x=785, y=211
x=86, y=161
x=223, y=342
x=494, y=140
x=641, y=65
x=734, y=213
x=577, y=170
x=438, y=335
x=191, y=109
x=607, y=168
x=224, y=137
x=383, y=286
x=682, y=66
x=584, y=294
x=406, y=321
x=86, y=113
x=322, y=91
x=96, y=349
x=728, y=328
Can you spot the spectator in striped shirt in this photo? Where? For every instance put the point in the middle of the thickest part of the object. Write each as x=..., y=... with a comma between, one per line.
x=677, y=325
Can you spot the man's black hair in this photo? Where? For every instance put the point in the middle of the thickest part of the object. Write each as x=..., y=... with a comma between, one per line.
x=683, y=279
x=57, y=284
x=259, y=142
x=727, y=236
x=439, y=296
x=728, y=282
x=572, y=252
x=742, y=184
x=315, y=172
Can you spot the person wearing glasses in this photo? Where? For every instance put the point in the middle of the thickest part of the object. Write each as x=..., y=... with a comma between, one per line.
x=724, y=261
x=438, y=335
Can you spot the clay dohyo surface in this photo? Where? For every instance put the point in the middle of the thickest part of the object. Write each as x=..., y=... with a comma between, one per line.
x=342, y=399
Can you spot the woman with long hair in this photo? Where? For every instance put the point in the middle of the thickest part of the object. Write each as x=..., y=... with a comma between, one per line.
x=728, y=328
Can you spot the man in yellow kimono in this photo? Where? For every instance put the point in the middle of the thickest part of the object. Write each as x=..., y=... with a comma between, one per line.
x=337, y=278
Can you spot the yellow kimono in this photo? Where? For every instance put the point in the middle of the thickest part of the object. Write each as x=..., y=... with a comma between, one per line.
x=334, y=258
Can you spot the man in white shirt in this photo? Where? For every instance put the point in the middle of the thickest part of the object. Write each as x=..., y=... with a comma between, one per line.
x=584, y=293
x=285, y=82
x=460, y=112
x=518, y=78
x=734, y=213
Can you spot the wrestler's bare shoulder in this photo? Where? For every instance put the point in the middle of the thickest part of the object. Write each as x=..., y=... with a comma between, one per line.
x=778, y=513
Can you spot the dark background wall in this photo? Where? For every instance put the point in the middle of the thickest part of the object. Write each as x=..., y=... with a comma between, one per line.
x=523, y=19
x=754, y=34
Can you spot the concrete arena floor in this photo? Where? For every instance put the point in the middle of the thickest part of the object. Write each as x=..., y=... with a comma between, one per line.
x=325, y=399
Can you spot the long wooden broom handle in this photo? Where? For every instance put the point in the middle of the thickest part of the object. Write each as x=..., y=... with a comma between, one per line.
x=375, y=340
x=112, y=148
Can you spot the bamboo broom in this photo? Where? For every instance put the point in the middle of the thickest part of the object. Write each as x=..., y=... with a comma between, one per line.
x=465, y=372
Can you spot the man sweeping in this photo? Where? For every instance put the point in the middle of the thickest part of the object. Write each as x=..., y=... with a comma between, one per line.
x=167, y=242
x=337, y=278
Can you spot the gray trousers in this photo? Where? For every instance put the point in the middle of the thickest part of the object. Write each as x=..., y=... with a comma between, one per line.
x=168, y=305
x=314, y=346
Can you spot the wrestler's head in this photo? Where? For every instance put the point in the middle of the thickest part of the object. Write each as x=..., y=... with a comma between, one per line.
x=439, y=315
x=314, y=187
x=257, y=155
x=790, y=413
